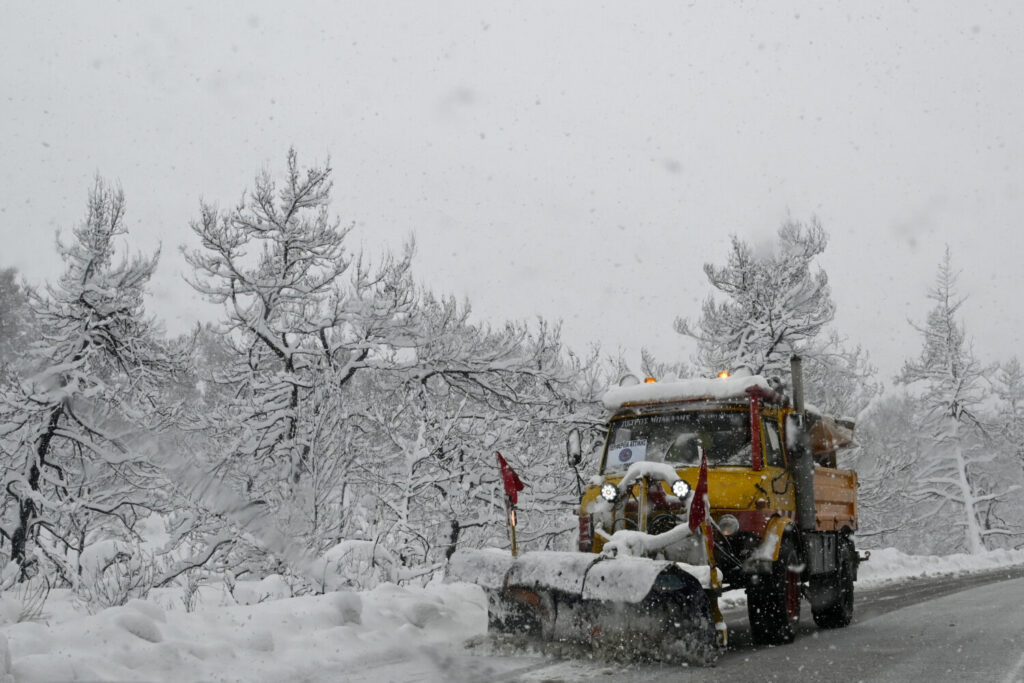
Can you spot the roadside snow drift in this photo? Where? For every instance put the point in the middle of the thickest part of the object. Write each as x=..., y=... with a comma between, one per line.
x=282, y=640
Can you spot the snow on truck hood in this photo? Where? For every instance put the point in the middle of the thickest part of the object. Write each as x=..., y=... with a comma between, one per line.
x=681, y=390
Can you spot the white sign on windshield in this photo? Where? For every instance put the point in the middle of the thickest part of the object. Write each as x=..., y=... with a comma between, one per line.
x=626, y=453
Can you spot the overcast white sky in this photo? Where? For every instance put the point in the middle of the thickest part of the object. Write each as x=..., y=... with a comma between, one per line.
x=574, y=160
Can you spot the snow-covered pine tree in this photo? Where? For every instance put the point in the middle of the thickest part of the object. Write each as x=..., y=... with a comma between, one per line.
x=777, y=304
x=952, y=480
x=71, y=430
x=302, y=320
x=272, y=262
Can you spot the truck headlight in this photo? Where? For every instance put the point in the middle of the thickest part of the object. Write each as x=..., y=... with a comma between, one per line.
x=680, y=488
x=610, y=492
x=728, y=525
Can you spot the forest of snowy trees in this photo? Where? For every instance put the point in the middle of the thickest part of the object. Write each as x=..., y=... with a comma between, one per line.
x=337, y=425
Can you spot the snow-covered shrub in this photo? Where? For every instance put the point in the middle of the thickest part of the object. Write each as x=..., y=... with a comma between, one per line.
x=190, y=590
x=273, y=587
x=357, y=565
x=24, y=601
x=112, y=573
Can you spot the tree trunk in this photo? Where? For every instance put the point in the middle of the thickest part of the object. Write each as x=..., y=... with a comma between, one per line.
x=972, y=529
x=26, y=504
x=453, y=539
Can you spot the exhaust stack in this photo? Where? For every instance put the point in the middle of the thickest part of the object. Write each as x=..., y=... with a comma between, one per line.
x=803, y=465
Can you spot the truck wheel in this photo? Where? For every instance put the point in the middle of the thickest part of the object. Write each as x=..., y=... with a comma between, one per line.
x=692, y=637
x=840, y=612
x=773, y=604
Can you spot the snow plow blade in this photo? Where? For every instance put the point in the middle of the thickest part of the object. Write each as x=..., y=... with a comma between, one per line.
x=628, y=607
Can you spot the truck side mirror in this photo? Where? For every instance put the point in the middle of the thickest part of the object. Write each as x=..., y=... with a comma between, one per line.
x=573, y=447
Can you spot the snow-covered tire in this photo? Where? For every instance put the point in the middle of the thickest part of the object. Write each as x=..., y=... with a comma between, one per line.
x=773, y=604
x=691, y=638
x=840, y=612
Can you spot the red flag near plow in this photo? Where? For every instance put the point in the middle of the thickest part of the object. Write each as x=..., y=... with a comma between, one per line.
x=513, y=484
x=701, y=519
x=699, y=506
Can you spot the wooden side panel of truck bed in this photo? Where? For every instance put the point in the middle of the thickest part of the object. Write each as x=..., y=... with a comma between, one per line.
x=835, y=498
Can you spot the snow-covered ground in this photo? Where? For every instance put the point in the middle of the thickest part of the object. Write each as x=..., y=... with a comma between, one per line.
x=325, y=637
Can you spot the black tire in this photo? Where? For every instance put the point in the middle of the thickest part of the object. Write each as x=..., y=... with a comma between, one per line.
x=773, y=604
x=690, y=634
x=840, y=612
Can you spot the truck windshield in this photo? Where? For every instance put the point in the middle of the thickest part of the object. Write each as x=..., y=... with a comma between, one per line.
x=724, y=434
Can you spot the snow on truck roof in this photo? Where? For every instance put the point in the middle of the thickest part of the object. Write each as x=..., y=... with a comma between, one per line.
x=684, y=390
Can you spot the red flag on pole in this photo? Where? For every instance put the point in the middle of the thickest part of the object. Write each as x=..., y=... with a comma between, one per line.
x=699, y=506
x=513, y=485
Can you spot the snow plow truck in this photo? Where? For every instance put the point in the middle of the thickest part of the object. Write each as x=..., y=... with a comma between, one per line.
x=705, y=485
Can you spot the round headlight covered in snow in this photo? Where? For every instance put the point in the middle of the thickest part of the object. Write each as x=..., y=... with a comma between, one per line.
x=680, y=488
x=728, y=524
x=610, y=492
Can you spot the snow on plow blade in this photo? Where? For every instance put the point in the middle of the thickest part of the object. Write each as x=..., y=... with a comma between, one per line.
x=632, y=607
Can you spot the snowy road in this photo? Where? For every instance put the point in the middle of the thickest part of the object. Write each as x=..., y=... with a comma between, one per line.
x=967, y=628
